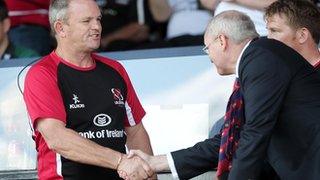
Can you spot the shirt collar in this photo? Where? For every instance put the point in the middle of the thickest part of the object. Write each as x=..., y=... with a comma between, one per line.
x=317, y=65
x=240, y=56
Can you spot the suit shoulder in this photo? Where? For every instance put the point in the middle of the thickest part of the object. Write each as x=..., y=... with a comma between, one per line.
x=274, y=46
x=271, y=55
x=277, y=49
x=266, y=43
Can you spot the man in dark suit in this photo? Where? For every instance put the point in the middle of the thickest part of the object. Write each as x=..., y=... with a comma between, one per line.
x=296, y=24
x=281, y=101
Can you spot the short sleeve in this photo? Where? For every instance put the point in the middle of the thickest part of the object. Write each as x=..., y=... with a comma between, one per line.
x=42, y=96
x=134, y=109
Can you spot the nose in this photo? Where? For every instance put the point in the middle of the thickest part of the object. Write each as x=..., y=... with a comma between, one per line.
x=96, y=25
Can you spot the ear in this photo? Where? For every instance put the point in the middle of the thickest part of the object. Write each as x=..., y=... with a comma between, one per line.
x=6, y=25
x=302, y=35
x=223, y=42
x=59, y=28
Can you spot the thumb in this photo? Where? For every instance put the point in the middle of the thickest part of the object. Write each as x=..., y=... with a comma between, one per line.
x=137, y=153
x=132, y=153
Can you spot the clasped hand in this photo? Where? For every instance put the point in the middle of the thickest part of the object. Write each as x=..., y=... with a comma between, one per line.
x=133, y=167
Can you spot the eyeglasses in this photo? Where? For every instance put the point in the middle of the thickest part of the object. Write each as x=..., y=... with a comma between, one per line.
x=205, y=49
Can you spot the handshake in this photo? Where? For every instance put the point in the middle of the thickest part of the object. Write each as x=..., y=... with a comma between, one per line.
x=139, y=165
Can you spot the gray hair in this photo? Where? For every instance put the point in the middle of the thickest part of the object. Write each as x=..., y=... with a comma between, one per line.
x=235, y=25
x=58, y=11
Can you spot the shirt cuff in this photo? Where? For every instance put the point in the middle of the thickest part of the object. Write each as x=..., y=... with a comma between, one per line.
x=172, y=166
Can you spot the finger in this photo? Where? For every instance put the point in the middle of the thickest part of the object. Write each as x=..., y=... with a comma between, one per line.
x=134, y=176
x=140, y=153
x=142, y=174
x=147, y=169
x=122, y=174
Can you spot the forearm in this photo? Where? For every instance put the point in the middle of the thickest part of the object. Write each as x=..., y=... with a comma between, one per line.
x=159, y=163
x=186, y=163
x=71, y=145
x=261, y=4
x=200, y=158
x=138, y=138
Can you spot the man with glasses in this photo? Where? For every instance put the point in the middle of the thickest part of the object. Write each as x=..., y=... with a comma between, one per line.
x=280, y=99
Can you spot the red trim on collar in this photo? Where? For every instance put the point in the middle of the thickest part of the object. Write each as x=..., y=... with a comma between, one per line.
x=55, y=55
x=317, y=65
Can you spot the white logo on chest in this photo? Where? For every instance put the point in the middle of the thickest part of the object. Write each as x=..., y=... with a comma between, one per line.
x=76, y=103
x=101, y=120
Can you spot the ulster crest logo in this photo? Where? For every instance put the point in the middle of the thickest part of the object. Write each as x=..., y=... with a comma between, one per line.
x=117, y=96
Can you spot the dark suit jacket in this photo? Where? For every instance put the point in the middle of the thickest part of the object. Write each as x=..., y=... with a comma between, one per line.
x=282, y=110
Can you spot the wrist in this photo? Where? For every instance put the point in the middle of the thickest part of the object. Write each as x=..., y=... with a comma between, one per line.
x=153, y=163
x=119, y=161
x=159, y=163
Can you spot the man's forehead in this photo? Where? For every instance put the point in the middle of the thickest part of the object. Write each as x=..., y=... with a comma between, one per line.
x=83, y=10
x=208, y=37
x=277, y=17
x=78, y=5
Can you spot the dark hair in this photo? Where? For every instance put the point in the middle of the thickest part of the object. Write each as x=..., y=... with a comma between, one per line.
x=299, y=13
x=3, y=10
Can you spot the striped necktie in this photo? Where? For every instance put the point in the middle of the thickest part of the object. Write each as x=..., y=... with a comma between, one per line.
x=233, y=122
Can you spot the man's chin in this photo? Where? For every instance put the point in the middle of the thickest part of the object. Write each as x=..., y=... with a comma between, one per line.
x=224, y=73
x=95, y=47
